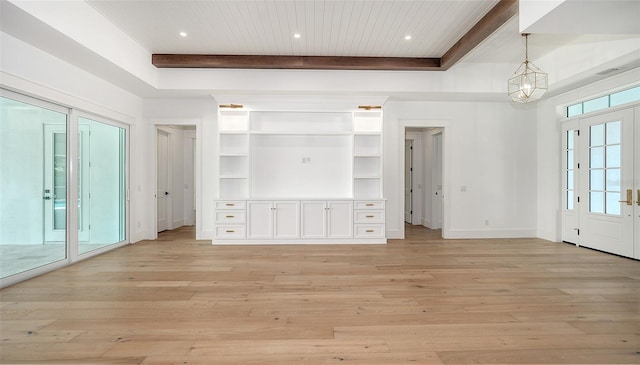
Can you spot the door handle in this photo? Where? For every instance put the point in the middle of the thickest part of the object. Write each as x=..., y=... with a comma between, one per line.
x=629, y=200
x=638, y=201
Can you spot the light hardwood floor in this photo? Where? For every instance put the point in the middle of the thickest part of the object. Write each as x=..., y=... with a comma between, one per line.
x=422, y=300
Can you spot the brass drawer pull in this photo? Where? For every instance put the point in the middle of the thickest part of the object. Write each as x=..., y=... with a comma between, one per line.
x=230, y=231
x=371, y=216
x=231, y=205
x=231, y=216
x=370, y=204
x=370, y=231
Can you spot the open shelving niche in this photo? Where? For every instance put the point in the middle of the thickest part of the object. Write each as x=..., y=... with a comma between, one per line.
x=233, y=153
x=299, y=155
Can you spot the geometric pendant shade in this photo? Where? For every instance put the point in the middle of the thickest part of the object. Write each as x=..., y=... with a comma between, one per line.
x=528, y=82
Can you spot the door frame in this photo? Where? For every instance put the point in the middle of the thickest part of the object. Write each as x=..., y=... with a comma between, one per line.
x=576, y=124
x=446, y=135
x=169, y=188
x=437, y=218
x=165, y=124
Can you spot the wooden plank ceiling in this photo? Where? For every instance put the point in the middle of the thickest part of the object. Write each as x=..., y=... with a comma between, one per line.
x=425, y=35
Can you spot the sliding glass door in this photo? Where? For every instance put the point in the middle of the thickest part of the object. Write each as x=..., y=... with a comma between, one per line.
x=63, y=186
x=102, y=184
x=33, y=185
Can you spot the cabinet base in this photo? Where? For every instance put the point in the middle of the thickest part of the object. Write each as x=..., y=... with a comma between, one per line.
x=345, y=241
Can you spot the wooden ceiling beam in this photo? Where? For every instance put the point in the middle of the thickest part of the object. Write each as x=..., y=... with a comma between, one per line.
x=294, y=62
x=495, y=18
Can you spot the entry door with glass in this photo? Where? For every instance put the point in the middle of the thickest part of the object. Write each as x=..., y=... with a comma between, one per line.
x=606, y=175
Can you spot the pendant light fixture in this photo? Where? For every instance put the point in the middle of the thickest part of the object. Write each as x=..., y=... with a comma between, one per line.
x=528, y=83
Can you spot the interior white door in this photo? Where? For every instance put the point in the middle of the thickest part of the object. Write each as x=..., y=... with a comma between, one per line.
x=162, y=189
x=408, y=181
x=607, y=182
x=436, y=209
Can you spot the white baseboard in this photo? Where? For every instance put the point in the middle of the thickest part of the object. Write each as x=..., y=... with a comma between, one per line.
x=205, y=235
x=488, y=233
x=141, y=236
x=177, y=224
x=395, y=234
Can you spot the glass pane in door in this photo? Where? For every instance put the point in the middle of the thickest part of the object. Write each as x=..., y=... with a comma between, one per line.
x=33, y=170
x=59, y=181
x=604, y=168
x=569, y=170
x=101, y=190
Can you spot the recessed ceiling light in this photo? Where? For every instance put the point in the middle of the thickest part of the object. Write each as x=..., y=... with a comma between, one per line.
x=296, y=35
x=407, y=37
x=183, y=34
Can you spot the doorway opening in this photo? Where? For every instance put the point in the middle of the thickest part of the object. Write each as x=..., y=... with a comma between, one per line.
x=423, y=161
x=175, y=176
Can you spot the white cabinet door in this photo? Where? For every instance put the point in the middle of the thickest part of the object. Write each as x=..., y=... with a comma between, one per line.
x=287, y=219
x=260, y=222
x=314, y=219
x=340, y=219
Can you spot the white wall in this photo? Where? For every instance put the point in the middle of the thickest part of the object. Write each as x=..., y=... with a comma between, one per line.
x=550, y=114
x=489, y=152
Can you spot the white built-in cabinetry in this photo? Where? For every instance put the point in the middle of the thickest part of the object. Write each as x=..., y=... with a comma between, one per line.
x=296, y=177
x=273, y=219
x=327, y=219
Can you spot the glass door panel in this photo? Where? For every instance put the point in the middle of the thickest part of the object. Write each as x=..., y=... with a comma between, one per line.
x=33, y=193
x=101, y=185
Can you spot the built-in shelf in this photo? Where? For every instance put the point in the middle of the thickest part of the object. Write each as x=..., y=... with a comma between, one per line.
x=303, y=122
x=233, y=121
x=367, y=122
x=307, y=177
x=285, y=154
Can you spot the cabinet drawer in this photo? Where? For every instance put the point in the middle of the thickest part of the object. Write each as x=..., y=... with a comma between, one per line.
x=231, y=204
x=374, y=204
x=230, y=232
x=369, y=216
x=369, y=230
x=230, y=216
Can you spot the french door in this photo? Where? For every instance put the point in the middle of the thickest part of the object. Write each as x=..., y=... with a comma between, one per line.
x=601, y=200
